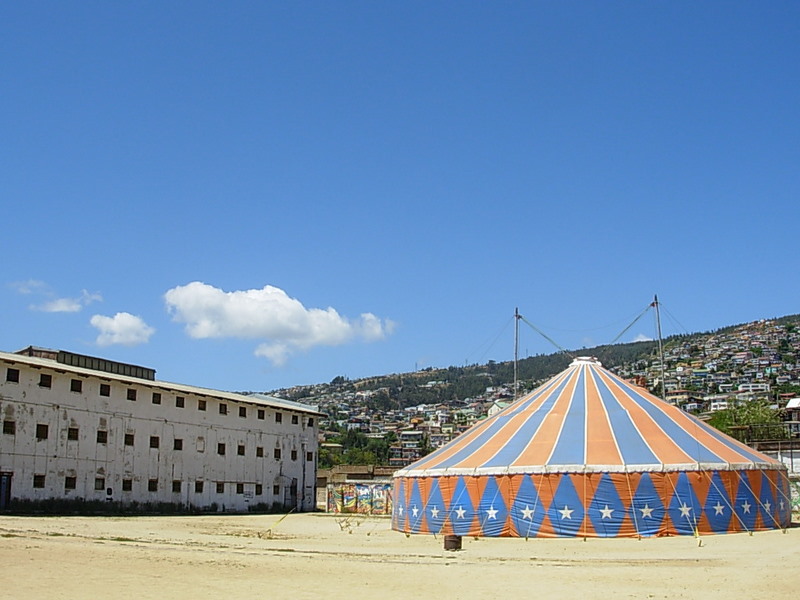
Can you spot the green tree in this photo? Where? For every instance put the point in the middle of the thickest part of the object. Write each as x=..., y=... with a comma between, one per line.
x=753, y=420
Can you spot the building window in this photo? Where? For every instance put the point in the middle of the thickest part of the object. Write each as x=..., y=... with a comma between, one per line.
x=243, y=411
x=76, y=385
x=38, y=481
x=102, y=437
x=176, y=486
x=276, y=490
x=45, y=380
x=154, y=441
x=294, y=454
x=240, y=488
x=41, y=431
x=127, y=485
x=131, y=394
x=295, y=420
x=278, y=417
x=177, y=444
x=221, y=449
x=220, y=487
x=129, y=439
x=240, y=450
x=310, y=422
x=105, y=389
x=179, y=401
x=70, y=483
x=259, y=489
x=223, y=408
x=201, y=444
x=259, y=451
x=156, y=397
x=152, y=485
x=12, y=375
x=10, y=427
x=277, y=454
x=260, y=414
x=309, y=456
x=72, y=434
x=201, y=405
x=198, y=487
x=99, y=484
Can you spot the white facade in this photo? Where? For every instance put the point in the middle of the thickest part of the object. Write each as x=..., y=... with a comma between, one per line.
x=79, y=433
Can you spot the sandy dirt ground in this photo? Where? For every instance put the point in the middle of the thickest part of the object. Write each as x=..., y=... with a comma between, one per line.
x=326, y=556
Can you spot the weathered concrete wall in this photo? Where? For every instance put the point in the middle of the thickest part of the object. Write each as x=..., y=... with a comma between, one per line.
x=86, y=440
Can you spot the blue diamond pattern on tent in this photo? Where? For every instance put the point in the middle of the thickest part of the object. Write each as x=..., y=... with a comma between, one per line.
x=766, y=503
x=684, y=508
x=435, y=510
x=744, y=506
x=399, y=512
x=415, y=509
x=461, y=512
x=492, y=510
x=527, y=512
x=647, y=511
x=566, y=511
x=606, y=511
x=784, y=503
x=718, y=508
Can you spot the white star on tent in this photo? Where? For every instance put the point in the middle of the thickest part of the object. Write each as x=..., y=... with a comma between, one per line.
x=685, y=510
x=400, y=510
x=647, y=511
x=435, y=512
x=782, y=505
x=460, y=512
x=746, y=507
x=606, y=512
x=527, y=513
x=492, y=512
x=414, y=510
x=566, y=512
x=718, y=508
x=767, y=506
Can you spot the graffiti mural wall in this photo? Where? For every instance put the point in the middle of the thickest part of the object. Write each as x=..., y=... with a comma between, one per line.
x=361, y=498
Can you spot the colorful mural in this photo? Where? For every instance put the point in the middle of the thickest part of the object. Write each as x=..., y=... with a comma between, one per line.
x=361, y=498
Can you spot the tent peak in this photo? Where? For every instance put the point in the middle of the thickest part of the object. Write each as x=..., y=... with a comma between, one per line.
x=585, y=360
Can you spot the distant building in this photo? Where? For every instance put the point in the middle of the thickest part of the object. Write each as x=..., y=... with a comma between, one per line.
x=754, y=387
x=79, y=427
x=407, y=449
x=496, y=407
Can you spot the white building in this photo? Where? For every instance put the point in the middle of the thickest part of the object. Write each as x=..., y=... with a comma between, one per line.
x=78, y=427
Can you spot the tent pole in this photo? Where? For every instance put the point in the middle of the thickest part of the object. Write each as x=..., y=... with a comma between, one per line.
x=660, y=347
x=516, y=349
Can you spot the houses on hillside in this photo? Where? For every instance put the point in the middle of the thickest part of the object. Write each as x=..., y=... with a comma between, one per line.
x=702, y=374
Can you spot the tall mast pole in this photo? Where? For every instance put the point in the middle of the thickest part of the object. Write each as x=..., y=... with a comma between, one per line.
x=516, y=348
x=660, y=347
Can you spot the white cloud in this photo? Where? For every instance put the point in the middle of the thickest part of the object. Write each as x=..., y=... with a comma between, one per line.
x=54, y=304
x=268, y=314
x=642, y=338
x=60, y=305
x=123, y=328
x=29, y=287
x=70, y=304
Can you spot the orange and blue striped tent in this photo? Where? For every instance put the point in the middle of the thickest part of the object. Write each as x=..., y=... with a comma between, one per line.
x=589, y=454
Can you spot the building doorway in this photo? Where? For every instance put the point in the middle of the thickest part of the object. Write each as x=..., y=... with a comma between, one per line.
x=5, y=490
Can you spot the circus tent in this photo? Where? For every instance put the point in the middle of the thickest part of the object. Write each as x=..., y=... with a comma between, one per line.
x=588, y=454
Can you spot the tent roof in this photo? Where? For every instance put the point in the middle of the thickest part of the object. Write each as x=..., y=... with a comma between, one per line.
x=586, y=419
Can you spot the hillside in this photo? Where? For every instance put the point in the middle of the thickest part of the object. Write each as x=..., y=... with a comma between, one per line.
x=760, y=351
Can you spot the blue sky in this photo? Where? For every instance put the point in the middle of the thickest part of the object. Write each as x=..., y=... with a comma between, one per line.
x=247, y=196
